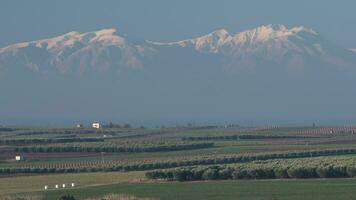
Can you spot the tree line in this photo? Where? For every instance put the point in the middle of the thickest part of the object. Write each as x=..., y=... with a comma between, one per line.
x=181, y=163
x=48, y=140
x=254, y=172
x=111, y=148
x=5, y=129
x=239, y=137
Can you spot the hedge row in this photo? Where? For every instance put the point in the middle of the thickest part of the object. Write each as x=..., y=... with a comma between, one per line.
x=6, y=129
x=64, y=131
x=153, y=148
x=240, y=137
x=182, y=163
x=258, y=171
x=49, y=140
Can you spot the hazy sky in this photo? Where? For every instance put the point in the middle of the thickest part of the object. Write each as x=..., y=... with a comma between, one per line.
x=164, y=20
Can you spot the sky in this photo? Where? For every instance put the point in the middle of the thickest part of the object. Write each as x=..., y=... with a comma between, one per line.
x=163, y=20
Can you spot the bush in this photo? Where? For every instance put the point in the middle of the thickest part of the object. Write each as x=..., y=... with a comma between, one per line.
x=210, y=174
x=281, y=173
x=301, y=172
x=351, y=171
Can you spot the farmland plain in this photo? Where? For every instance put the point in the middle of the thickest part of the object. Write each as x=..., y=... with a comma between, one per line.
x=117, y=160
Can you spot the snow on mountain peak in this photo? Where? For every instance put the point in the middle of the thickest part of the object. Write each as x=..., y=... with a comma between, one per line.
x=14, y=47
x=104, y=37
x=222, y=40
x=212, y=41
x=273, y=27
x=268, y=32
x=221, y=33
x=273, y=43
x=284, y=29
x=108, y=37
x=67, y=39
x=102, y=32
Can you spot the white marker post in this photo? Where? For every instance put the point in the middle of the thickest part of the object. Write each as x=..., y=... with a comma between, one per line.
x=73, y=184
x=56, y=186
x=45, y=187
x=63, y=185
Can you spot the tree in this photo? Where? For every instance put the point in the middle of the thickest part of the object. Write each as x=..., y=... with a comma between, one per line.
x=210, y=174
x=67, y=197
x=127, y=125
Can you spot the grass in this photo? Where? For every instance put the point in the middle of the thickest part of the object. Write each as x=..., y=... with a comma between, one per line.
x=119, y=197
x=311, y=189
x=21, y=184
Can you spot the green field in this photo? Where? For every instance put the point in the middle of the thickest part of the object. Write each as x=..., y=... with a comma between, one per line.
x=340, y=189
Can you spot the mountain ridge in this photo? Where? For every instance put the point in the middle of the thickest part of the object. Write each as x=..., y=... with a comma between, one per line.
x=270, y=72
x=106, y=50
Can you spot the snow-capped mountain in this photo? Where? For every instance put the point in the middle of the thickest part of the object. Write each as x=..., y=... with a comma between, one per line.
x=75, y=52
x=292, y=49
x=270, y=71
x=221, y=40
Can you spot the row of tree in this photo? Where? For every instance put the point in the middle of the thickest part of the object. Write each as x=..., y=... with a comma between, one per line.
x=56, y=131
x=48, y=140
x=115, y=125
x=111, y=148
x=224, y=172
x=6, y=129
x=239, y=137
x=74, y=131
x=181, y=163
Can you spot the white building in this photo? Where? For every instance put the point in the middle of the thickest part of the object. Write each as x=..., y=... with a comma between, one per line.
x=96, y=125
x=17, y=158
x=79, y=126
